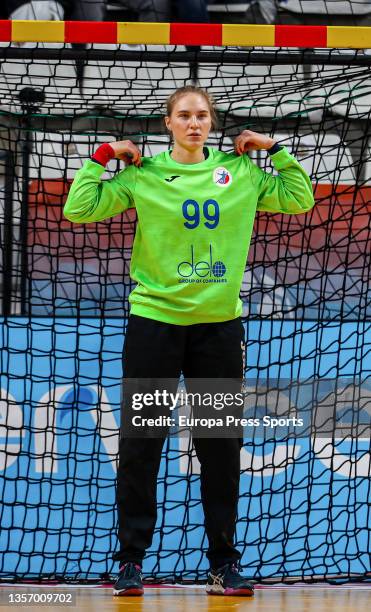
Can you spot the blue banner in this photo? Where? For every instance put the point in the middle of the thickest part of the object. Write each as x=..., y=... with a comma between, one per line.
x=303, y=503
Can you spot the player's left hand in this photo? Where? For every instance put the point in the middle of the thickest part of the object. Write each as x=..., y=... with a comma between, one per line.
x=252, y=141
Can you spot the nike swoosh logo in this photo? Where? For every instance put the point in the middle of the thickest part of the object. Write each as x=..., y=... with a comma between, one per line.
x=172, y=178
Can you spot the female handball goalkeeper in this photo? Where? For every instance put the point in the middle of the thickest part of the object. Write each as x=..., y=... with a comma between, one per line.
x=195, y=207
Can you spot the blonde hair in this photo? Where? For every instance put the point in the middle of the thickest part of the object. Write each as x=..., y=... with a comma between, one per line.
x=183, y=91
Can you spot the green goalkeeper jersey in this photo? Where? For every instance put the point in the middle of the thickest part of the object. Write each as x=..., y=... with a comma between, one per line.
x=194, y=226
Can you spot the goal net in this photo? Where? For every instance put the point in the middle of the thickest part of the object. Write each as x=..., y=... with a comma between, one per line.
x=303, y=510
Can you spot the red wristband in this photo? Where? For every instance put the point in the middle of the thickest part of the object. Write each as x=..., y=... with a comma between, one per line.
x=103, y=154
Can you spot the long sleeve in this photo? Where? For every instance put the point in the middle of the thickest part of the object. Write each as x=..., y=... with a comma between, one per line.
x=290, y=192
x=91, y=199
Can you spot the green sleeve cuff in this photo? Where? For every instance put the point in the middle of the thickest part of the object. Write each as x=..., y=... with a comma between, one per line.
x=282, y=158
x=276, y=147
x=93, y=168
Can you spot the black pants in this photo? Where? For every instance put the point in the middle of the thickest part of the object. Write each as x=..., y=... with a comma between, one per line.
x=160, y=350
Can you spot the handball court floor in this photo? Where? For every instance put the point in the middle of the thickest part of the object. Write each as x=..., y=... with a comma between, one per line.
x=277, y=598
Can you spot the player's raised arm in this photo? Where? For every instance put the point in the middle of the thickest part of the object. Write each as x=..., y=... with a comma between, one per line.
x=291, y=191
x=91, y=199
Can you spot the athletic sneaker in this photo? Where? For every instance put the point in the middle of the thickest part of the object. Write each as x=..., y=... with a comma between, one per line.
x=129, y=580
x=227, y=581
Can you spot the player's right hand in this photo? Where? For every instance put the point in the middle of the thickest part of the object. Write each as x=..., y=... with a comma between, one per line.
x=127, y=151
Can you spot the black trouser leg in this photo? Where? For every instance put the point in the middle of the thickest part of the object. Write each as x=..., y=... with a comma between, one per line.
x=153, y=350
x=220, y=478
x=139, y=462
x=216, y=351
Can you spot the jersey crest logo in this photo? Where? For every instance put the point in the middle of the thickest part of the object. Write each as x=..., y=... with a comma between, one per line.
x=222, y=177
x=172, y=178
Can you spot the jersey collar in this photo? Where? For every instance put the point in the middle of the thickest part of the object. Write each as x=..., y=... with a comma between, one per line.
x=208, y=155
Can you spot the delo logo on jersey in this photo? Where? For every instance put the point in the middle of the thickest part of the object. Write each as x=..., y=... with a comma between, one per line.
x=222, y=177
x=201, y=271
